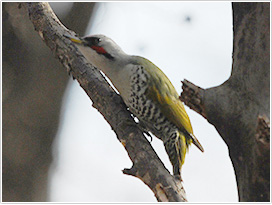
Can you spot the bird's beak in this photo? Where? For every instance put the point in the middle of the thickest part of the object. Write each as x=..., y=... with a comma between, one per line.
x=74, y=39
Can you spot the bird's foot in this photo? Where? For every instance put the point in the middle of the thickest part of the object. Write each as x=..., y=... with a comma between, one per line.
x=178, y=178
x=143, y=128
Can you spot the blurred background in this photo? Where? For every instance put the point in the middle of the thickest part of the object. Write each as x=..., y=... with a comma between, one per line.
x=186, y=40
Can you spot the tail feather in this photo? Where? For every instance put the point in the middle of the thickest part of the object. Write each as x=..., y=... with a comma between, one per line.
x=196, y=143
x=176, y=149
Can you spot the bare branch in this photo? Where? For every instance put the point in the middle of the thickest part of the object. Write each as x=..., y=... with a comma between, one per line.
x=146, y=164
x=192, y=96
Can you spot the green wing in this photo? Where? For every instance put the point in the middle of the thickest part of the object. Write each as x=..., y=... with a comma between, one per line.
x=163, y=92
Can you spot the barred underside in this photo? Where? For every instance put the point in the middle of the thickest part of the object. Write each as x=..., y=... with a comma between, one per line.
x=149, y=113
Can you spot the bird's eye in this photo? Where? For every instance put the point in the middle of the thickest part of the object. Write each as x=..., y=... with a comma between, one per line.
x=97, y=40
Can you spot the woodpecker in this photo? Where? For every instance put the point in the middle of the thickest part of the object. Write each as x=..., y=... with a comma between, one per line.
x=147, y=92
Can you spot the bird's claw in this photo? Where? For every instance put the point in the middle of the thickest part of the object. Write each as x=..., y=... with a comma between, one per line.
x=149, y=135
x=143, y=128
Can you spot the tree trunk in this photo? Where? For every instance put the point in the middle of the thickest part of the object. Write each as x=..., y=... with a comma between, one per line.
x=239, y=108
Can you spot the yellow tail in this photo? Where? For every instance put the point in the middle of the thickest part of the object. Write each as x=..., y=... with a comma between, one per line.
x=176, y=148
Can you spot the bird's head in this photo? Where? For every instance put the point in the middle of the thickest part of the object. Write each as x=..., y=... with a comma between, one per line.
x=99, y=50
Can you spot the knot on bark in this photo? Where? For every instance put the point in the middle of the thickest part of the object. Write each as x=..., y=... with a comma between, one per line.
x=263, y=132
x=192, y=96
x=132, y=171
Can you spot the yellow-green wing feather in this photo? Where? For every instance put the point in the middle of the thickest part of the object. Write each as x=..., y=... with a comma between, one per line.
x=162, y=91
x=172, y=108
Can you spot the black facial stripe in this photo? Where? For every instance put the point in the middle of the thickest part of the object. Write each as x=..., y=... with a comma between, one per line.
x=92, y=41
x=107, y=55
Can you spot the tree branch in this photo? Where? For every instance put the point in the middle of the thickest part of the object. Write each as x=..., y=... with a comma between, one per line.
x=192, y=96
x=146, y=164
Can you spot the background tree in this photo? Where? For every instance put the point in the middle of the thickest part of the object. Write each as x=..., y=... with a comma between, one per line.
x=33, y=86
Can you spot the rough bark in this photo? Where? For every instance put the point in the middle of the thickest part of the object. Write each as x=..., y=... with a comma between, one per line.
x=146, y=164
x=239, y=108
x=33, y=85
